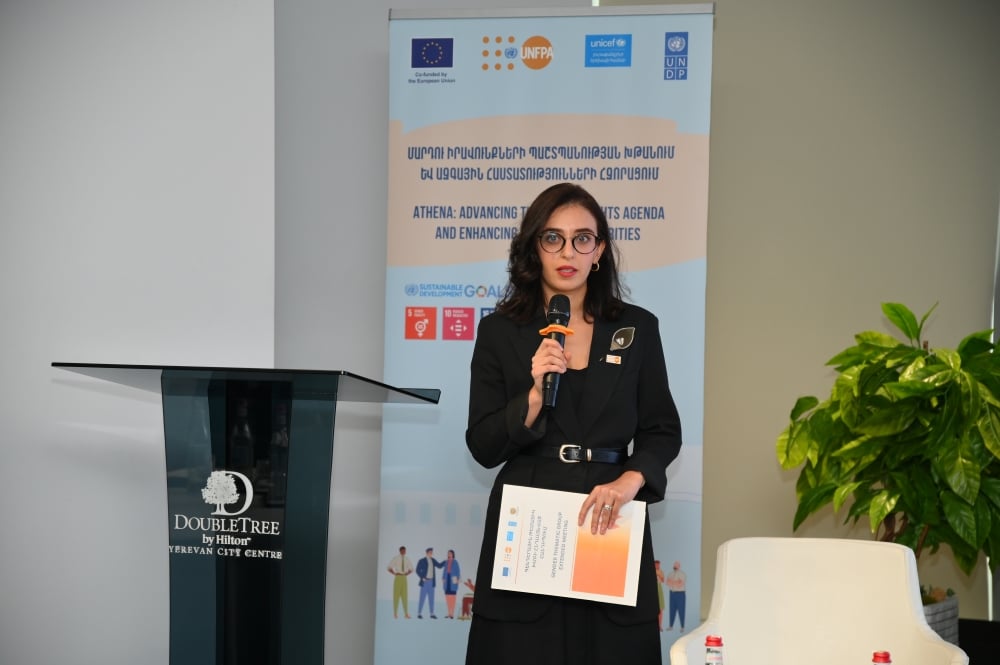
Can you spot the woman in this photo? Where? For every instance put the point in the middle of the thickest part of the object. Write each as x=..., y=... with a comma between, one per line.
x=451, y=573
x=613, y=390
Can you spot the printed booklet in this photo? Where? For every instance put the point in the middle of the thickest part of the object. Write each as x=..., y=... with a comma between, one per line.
x=540, y=548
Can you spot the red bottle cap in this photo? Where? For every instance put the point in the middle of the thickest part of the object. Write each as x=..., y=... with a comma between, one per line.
x=881, y=657
x=715, y=641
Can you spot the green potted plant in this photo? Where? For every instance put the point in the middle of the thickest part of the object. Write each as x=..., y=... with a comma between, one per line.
x=908, y=438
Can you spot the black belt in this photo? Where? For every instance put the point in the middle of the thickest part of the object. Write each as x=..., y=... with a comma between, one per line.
x=570, y=453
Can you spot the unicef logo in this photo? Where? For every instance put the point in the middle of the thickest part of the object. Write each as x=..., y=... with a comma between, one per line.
x=411, y=289
x=220, y=490
x=621, y=42
x=676, y=44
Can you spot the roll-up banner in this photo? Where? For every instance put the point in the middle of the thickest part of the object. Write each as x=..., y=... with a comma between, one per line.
x=487, y=109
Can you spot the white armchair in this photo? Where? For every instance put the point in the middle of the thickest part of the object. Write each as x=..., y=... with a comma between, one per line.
x=818, y=601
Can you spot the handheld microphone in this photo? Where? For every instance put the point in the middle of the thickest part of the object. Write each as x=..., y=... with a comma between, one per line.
x=558, y=315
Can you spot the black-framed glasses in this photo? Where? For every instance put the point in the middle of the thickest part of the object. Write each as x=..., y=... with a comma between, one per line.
x=553, y=242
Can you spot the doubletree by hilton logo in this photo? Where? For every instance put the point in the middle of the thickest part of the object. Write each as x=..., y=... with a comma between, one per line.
x=225, y=533
x=220, y=491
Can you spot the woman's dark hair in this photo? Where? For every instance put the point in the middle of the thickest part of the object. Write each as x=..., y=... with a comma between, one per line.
x=523, y=298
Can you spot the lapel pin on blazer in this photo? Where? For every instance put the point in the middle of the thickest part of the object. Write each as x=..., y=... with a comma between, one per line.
x=622, y=339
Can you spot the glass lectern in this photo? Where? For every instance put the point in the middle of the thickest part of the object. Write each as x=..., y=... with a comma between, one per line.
x=249, y=455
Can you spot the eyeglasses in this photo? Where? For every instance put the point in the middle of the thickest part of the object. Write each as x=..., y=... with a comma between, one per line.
x=553, y=242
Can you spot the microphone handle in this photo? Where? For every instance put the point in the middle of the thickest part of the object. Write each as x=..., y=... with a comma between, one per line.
x=550, y=382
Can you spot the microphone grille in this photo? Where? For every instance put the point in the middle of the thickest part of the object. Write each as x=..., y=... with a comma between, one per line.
x=558, y=309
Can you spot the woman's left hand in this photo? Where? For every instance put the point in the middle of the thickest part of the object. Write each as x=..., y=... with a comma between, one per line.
x=607, y=500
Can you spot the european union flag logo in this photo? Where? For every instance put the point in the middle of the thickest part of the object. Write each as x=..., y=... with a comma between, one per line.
x=434, y=52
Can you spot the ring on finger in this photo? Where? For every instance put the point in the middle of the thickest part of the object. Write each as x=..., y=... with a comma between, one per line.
x=607, y=506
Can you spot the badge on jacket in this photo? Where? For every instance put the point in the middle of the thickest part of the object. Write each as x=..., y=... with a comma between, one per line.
x=622, y=339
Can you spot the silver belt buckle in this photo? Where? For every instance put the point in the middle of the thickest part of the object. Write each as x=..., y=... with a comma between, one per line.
x=562, y=453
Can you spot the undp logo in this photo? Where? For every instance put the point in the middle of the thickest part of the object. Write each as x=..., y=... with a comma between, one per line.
x=677, y=42
x=675, y=56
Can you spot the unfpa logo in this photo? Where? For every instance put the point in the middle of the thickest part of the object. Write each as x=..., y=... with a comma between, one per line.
x=536, y=52
x=502, y=53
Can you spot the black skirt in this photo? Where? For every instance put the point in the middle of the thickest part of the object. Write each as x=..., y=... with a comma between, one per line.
x=571, y=632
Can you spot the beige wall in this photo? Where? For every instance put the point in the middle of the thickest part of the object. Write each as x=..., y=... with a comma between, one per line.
x=855, y=159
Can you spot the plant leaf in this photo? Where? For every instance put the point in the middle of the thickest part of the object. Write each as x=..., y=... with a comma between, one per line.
x=845, y=393
x=883, y=503
x=802, y=405
x=862, y=503
x=976, y=344
x=918, y=494
x=949, y=357
x=933, y=375
x=783, y=448
x=965, y=557
x=959, y=516
x=985, y=392
x=903, y=318
x=856, y=447
x=989, y=429
x=812, y=501
x=961, y=470
x=984, y=521
x=873, y=338
x=914, y=367
x=892, y=419
x=904, y=389
x=841, y=493
x=990, y=487
x=923, y=319
x=848, y=358
x=902, y=355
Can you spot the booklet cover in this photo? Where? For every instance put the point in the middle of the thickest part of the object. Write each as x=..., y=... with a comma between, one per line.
x=540, y=549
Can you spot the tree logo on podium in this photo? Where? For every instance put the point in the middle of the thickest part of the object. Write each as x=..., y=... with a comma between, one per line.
x=220, y=490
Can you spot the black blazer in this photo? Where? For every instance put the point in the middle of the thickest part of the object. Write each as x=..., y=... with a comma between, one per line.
x=626, y=398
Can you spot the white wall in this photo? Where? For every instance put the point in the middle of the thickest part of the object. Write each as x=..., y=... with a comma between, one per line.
x=136, y=226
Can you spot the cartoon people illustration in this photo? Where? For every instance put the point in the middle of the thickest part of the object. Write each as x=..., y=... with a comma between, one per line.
x=467, y=600
x=660, y=579
x=427, y=576
x=676, y=582
x=400, y=567
x=451, y=573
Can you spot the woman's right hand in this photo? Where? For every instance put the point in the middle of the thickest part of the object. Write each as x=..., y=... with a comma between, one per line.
x=549, y=357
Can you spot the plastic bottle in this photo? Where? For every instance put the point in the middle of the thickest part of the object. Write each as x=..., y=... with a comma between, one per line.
x=713, y=650
x=881, y=657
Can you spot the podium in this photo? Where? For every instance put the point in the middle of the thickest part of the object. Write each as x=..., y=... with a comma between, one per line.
x=249, y=455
